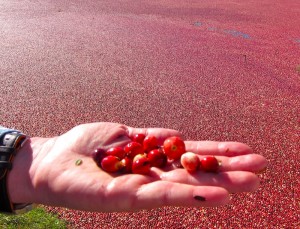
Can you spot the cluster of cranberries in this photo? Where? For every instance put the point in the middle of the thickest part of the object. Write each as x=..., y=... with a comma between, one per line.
x=144, y=152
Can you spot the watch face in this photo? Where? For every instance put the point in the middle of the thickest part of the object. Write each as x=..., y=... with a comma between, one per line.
x=7, y=134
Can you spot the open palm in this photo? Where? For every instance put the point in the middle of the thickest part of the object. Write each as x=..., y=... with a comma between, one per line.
x=60, y=182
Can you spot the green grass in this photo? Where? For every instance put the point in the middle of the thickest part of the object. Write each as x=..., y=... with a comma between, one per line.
x=37, y=218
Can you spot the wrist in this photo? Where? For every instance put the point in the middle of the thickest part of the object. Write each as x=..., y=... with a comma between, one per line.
x=20, y=183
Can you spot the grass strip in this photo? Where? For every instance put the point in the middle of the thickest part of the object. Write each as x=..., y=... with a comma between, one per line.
x=37, y=218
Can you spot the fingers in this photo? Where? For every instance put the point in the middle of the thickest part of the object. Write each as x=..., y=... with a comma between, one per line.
x=160, y=133
x=135, y=192
x=229, y=149
x=164, y=193
x=235, y=175
x=235, y=156
x=234, y=182
x=251, y=162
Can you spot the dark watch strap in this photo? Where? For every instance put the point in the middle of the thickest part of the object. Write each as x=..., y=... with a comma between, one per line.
x=9, y=144
x=5, y=204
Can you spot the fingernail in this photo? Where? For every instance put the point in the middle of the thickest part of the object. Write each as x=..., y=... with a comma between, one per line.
x=200, y=198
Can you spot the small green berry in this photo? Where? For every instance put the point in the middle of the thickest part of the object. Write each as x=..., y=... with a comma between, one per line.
x=78, y=162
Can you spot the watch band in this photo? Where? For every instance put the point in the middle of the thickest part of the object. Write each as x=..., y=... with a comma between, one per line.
x=10, y=142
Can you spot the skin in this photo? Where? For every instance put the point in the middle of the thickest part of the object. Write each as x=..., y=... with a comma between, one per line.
x=45, y=172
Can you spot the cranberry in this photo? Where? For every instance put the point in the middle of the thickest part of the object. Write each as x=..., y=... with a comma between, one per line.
x=157, y=158
x=116, y=151
x=111, y=164
x=209, y=164
x=127, y=164
x=190, y=161
x=174, y=147
x=98, y=155
x=138, y=138
x=141, y=164
x=133, y=148
x=150, y=142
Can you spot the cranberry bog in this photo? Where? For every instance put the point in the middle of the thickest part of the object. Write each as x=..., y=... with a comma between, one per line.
x=215, y=70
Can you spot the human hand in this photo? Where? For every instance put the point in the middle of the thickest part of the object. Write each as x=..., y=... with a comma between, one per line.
x=45, y=172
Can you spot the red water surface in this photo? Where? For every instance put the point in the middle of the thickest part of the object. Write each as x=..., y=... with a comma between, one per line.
x=218, y=70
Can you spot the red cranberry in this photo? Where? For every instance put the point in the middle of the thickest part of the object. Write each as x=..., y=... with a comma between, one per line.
x=111, y=164
x=98, y=155
x=157, y=158
x=127, y=164
x=174, y=147
x=141, y=165
x=138, y=138
x=150, y=142
x=133, y=148
x=209, y=164
x=116, y=151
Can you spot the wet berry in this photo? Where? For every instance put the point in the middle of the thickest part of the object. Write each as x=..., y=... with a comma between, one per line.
x=174, y=147
x=138, y=138
x=133, y=148
x=190, y=161
x=209, y=164
x=116, y=151
x=150, y=142
x=111, y=164
x=157, y=158
x=141, y=165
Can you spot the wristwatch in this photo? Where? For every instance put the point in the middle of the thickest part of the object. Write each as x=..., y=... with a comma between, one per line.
x=10, y=142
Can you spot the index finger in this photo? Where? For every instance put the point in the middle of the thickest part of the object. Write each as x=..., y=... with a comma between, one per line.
x=160, y=133
x=229, y=149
